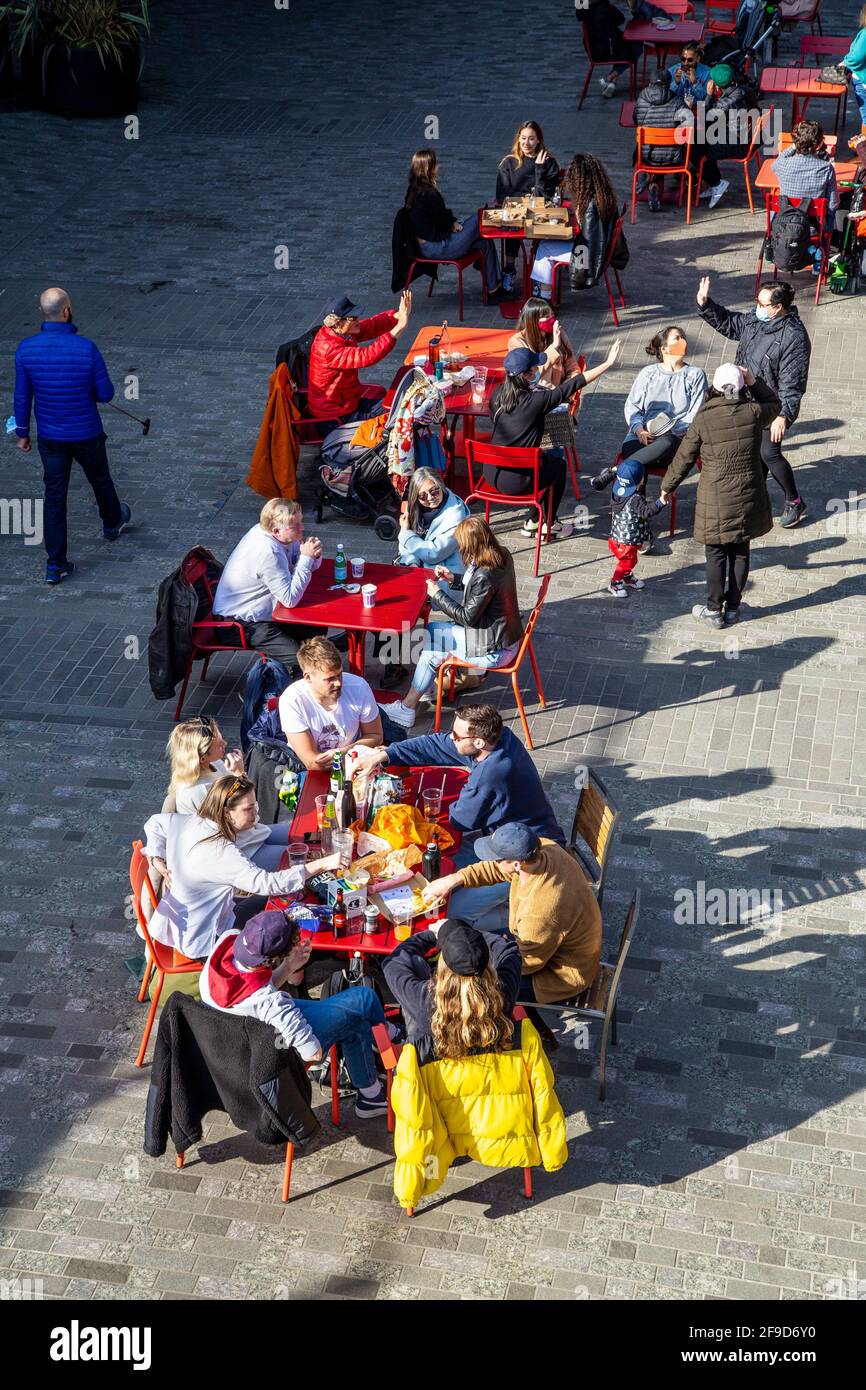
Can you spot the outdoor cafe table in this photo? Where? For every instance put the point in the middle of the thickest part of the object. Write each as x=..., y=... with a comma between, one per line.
x=484, y=347
x=304, y=826
x=545, y=223
x=804, y=86
x=663, y=40
x=401, y=597
x=769, y=183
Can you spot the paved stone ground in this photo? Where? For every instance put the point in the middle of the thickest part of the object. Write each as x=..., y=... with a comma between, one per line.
x=729, y=1160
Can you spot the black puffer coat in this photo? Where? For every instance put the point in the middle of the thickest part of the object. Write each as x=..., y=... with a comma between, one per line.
x=656, y=107
x=732, y=502
x=776, y=351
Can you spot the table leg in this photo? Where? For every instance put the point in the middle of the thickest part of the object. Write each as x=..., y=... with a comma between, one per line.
x=357, y=643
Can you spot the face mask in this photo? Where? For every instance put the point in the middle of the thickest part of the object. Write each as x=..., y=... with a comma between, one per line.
x=535, y=376
x=547, y=325
x=677, y=349
x=761, y=311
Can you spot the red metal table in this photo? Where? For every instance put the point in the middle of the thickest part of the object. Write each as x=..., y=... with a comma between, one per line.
x=663, y=40
x=803, y=85
x=379, y=943
x=401, y=597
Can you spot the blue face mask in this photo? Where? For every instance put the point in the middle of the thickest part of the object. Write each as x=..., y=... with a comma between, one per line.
x=535, y=376
x=761, y=311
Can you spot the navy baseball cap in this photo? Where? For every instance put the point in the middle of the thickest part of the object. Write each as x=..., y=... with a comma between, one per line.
x=511, y=841
x=519, y=360
x=265, y=935
x=342, y=307
x=629, y=476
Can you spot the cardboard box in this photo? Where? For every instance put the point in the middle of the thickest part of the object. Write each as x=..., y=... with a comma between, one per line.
x=354, y=899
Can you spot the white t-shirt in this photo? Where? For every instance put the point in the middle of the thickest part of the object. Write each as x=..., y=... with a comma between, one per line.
x=339, y=727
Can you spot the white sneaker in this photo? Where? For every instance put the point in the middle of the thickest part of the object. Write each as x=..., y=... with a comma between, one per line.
x=399, y=713
x=529, y=527
x=608, y=89
x=719, y=192
x=618, y=590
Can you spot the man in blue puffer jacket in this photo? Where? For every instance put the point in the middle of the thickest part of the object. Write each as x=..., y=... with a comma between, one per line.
x=63, y=376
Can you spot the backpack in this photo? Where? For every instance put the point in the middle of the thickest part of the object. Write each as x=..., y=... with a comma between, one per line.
x=790, y=236
x=266, y=679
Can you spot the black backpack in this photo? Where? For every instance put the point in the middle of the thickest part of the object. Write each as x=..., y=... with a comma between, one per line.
x=789, y=237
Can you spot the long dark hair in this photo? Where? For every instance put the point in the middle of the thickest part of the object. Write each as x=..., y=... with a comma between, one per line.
x=533, y=310
x=586, y=181
x=655, y=345
x=413, y=503
x=512, y=390
x=423, y=173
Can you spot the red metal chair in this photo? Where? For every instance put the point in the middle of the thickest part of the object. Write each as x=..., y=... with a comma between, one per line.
x=606, y=63
x=499, y=456
x=562, y=267
x=827, y=46
x=203, y=632
x=136, y=883
x=290, y=1147
x=164, y=959
x=752, y=152
x=452, y=663
x=721, y=17
x=390, y=1053
x=655, y=137
x=821, y=237
x=461, y=263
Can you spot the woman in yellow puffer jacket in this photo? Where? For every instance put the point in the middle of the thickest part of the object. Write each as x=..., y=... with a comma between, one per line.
x=470, y=1080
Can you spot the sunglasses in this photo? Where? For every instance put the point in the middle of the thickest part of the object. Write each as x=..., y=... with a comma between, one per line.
x=430, y=495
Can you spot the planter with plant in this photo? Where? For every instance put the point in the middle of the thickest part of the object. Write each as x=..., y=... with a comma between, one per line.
x=88, y=51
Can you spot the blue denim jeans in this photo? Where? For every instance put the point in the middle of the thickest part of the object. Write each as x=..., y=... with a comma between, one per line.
x=58, y=456
x=484, y=908
x=859, y=89
x=269, y=854
x=461, y=243
x=347, y=1019
x=447, y=639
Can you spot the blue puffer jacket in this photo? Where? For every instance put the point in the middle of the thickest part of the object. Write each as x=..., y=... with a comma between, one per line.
x=67, y=376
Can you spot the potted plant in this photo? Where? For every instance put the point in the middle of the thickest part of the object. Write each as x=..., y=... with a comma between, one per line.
x=27, y=25
x=93, y=59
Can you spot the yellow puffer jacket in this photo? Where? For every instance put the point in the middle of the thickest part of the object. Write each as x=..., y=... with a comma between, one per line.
x=500, y=1108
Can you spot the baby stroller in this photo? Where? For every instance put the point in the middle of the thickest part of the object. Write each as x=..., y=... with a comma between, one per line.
x=357, y=481
x=755, y=37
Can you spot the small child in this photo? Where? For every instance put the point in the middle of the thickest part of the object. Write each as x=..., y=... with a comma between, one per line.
x=629, y=528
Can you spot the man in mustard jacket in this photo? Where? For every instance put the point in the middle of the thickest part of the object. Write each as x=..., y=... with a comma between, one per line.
x=552, y=911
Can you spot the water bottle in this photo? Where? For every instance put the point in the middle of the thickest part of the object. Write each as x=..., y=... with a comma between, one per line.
x=341, y=568
x=557, y=197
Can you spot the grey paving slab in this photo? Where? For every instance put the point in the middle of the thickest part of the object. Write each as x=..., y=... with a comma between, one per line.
x=728, y=1160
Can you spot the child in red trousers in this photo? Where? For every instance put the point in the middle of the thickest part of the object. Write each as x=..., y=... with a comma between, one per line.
x=629, y=527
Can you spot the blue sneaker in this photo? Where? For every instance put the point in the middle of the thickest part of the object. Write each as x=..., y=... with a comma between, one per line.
x=55, y=574
x=377, y=1105
x=111, y=533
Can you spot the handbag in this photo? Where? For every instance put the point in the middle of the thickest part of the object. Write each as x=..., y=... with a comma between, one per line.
x=558, y=430
x=834, y=72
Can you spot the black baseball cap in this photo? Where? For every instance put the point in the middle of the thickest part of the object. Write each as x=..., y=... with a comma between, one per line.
x=341, y=307
x=463, y=949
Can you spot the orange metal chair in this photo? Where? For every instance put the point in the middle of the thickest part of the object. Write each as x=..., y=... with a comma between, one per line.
x=164, y=959
x=205, y=638
x=607, y=64
x=451, y=663
x=653, y=136
x=390, y=1053
x=290, y=1147
x=499, y=456
x=821, y=237
x=743, y=160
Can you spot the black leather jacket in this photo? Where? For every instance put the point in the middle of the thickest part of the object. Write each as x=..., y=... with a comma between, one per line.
x=489, y=613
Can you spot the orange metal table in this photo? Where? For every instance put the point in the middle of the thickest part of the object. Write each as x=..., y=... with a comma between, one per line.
x=803, y=85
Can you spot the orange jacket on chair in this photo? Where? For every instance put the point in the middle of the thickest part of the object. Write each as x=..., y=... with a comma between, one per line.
x=274, y=466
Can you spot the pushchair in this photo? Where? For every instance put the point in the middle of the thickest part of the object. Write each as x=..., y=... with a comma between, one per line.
x=755, y=38
x=355, y=480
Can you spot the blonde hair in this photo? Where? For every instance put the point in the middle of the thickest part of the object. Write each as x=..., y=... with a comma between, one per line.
x=468, y=1013
x=186, y=749
x=278, y=513
x=225, y=793
x=318, y=654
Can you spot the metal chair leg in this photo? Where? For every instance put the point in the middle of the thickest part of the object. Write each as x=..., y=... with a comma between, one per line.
x=287, y=1170
x=520, y=710
x=139, y=1061
x=535, y=672
x=527, y=1183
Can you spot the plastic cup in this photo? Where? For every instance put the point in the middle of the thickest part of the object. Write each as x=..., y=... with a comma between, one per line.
x=343, y=843
x=358, y=567
x=321, y=803
x=298, y=853
x=402, y=914
x=431, y=804
x=479, y=385
x=368, y=595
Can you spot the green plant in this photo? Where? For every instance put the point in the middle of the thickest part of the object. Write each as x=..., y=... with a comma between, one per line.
x=30, y=20
x=100, y=25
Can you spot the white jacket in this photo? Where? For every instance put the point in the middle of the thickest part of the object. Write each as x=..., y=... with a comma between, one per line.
x=198, y=909
x=272, y=1006
x=190, y=796
x=259, y=573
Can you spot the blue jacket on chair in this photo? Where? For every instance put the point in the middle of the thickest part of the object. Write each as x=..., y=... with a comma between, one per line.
x=65, y=376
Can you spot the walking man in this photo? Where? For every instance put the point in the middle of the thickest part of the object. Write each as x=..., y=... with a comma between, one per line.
x=774, y=346
x=62, y=376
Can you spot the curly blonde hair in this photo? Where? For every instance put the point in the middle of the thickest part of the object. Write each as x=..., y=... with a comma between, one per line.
x=188, y=745
x=468, y=1013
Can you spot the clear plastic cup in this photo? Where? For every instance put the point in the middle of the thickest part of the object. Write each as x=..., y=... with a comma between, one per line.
x=298, y=853
x=431, y=804
x=343, y=843
x=479, y=385
x=321, y=804
x=402, y=914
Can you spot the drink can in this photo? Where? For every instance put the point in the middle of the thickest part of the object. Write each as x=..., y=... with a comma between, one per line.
x=371, y=919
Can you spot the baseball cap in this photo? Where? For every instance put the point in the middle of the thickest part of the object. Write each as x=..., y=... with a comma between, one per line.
x=728, y=375
x=265, y=935
x=629, y=476
x=519, y=360
x=509, y=841
x=463, y=949
x=342, y=307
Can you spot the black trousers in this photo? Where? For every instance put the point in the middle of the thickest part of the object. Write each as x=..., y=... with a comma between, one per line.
x=657, y=454
x=727, y=572
x=779, y=466
x=514, y=481
x=280, y=640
